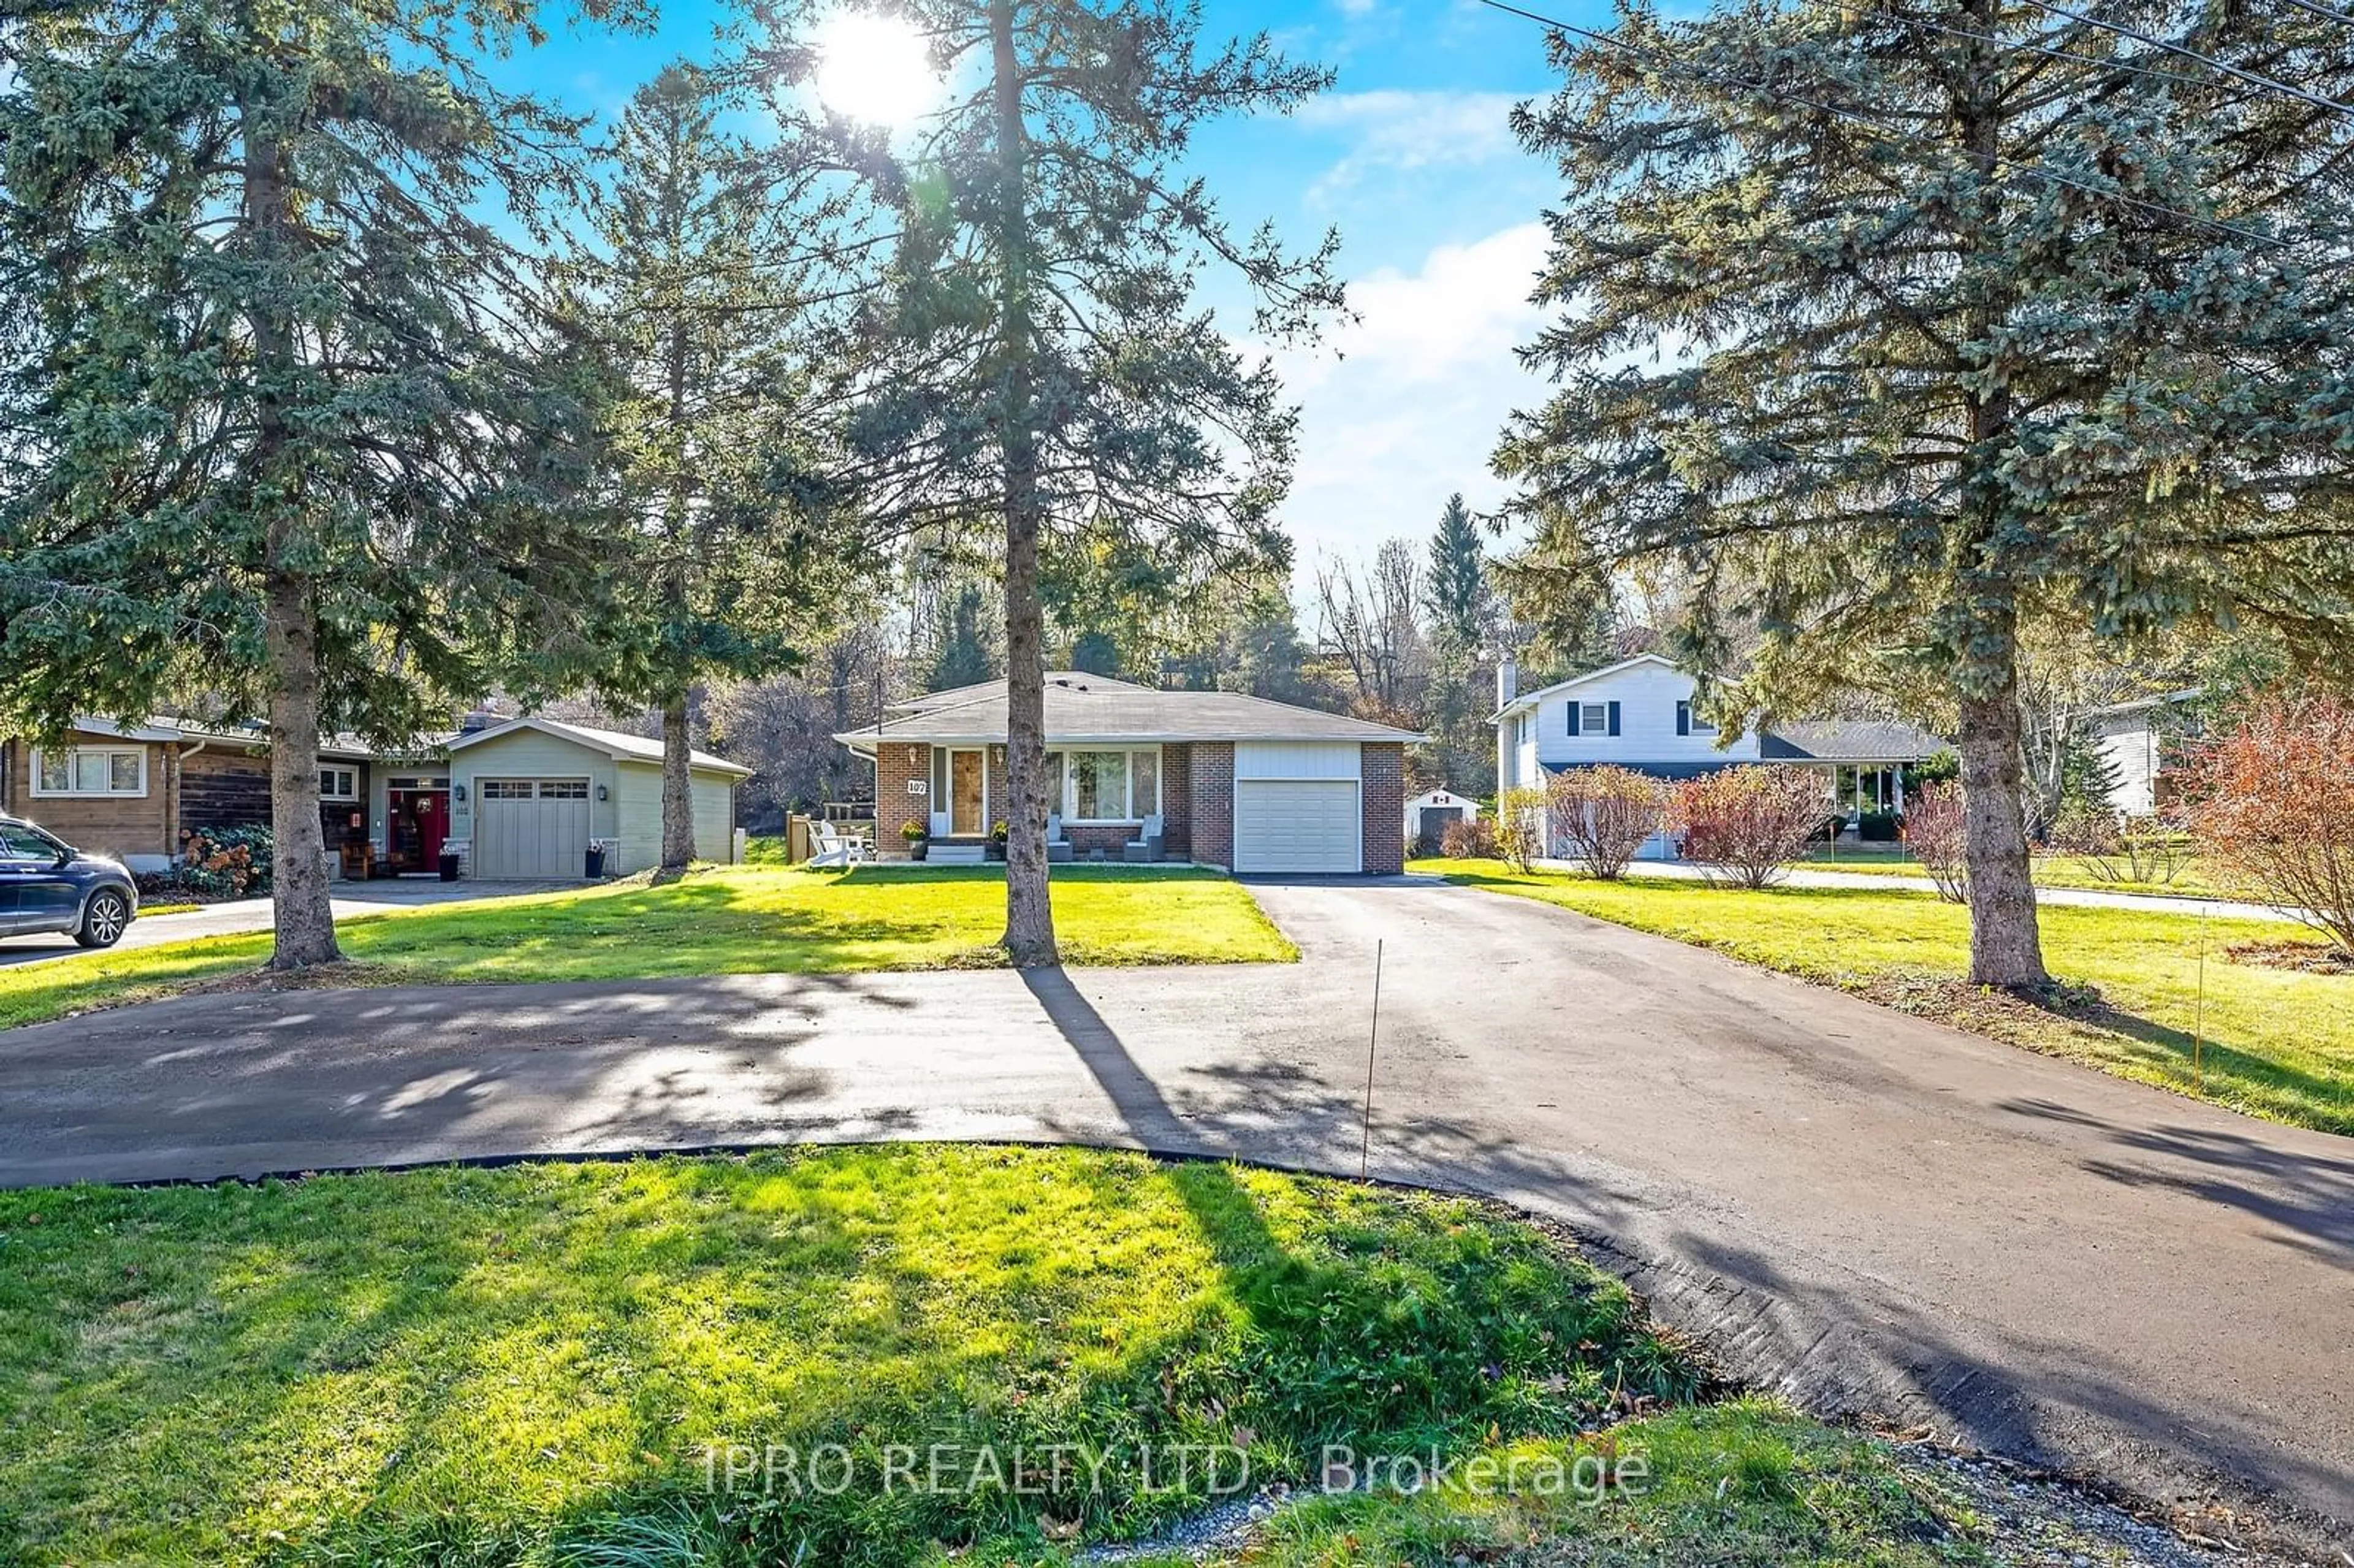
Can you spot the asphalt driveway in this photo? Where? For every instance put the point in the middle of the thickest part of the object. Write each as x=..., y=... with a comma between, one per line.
x=1869, y=1212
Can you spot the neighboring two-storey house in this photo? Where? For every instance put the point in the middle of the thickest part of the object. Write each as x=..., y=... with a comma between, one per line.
x=1640, y=714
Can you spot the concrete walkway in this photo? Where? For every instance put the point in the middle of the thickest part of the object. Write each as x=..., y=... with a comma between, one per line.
x=1876, y=882
x=1867, y=1212
x=351, y=900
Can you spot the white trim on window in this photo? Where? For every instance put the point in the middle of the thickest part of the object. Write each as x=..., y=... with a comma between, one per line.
x=91, y=772
x=338, y=783
x=1594, y=718
x=1068, y=795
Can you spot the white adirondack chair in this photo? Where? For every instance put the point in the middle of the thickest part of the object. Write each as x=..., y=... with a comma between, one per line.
x=829, y=846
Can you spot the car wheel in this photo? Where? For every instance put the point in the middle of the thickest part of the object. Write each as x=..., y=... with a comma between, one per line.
x=104, y=919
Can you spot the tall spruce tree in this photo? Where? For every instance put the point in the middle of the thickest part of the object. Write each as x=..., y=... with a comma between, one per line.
x=698, y=265
x=1039, y=359
x=962, y=657
x=1456, y=592
x=1462, y=604
x=1910, y=329
x=288, y=428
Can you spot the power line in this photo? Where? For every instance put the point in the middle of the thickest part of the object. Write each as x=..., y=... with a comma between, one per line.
x=2255, y=79
x=2035, y=171
x=2322, y=11
x=2135, y=68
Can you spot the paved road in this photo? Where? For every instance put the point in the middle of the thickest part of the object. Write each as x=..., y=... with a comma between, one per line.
x=1866, y=1211
x=352, y=900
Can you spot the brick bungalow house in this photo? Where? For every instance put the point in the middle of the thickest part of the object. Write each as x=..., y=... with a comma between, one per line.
x=1213, y=777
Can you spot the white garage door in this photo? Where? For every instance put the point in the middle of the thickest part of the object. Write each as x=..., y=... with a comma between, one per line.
x=534, y=829
x=1296, y=824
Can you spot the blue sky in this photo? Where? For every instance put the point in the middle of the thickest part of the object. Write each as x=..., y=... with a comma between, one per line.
x=1410, y=157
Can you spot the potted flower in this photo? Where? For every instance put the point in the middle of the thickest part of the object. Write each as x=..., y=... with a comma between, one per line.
x=917, y=835
x=997, y=841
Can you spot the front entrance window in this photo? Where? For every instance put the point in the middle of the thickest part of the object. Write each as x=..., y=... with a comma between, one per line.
x=967, y=792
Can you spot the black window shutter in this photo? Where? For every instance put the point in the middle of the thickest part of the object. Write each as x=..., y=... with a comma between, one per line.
x=1572, y=706
x=1683, y=718
x=1614, y=718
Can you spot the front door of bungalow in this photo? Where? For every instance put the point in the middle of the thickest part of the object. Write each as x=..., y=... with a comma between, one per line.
x=421, y=822
x=968, y=793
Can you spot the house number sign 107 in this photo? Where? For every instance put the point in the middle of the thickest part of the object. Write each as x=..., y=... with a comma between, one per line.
x=918, y=787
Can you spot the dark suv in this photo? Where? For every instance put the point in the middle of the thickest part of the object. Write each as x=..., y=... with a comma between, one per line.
x=46, y=884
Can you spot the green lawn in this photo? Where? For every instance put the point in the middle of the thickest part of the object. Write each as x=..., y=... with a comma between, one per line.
x=2273, y=1043
x=724, y=920
x=553, y=1364
x=1743, y=1485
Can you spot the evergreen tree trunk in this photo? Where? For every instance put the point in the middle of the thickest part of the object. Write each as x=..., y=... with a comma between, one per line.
x=300, y=913
x=2005, y=943
x=299, y=907
x=678, y=789
x=1029, y=916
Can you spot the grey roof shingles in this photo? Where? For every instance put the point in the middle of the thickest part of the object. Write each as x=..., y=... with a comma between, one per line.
x=1848, y=740
x=1081, y=707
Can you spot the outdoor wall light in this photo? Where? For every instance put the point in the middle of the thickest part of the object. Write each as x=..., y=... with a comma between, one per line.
x=911, y=757
x=600, y=791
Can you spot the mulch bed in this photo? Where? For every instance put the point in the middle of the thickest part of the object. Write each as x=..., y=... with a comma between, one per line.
x=1983, y=1009
x=2306, y=958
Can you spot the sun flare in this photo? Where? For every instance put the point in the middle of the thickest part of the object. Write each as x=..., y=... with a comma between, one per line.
x=874, y=68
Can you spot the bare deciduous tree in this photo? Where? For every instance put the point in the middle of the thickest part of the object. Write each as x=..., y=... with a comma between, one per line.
x=1367, y=625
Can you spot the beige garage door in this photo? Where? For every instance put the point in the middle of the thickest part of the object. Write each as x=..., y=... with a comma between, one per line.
x=1296, y=824
x=530, y=828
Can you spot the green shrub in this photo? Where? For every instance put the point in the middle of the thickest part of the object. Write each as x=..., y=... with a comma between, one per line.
x=1879, y=827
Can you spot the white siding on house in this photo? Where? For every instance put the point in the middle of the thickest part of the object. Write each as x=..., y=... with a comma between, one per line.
x=1647, y=695
x=1516, y=752
x=1296, y=759
x=2129, y=743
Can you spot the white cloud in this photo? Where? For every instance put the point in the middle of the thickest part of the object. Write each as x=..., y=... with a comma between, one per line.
x=1410, y=410
x=1397, y=129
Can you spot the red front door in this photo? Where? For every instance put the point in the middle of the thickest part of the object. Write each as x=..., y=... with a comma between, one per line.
x=421, y=823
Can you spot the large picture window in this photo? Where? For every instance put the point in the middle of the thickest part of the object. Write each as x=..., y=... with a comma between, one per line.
x=1099, y=785
x=90, y=770
x=1106, y=785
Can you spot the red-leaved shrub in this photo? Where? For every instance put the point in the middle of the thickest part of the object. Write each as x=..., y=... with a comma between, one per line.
x=1469, y=838
x=1741, y=823
x=2273, y=809
x=1933, y=832
x=1604, y=815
